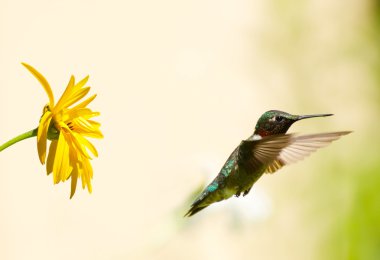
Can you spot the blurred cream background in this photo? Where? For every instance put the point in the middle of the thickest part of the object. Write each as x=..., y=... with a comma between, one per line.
x=179, y=84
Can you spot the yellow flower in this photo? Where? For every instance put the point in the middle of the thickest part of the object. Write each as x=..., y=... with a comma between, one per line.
x=67, y=127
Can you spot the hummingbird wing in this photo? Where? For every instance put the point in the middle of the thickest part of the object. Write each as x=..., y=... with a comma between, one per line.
x=263, y=151
x=301, y=147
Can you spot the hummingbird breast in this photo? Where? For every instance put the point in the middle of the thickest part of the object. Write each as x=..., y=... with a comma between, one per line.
x=242, y=180
x=236, y=176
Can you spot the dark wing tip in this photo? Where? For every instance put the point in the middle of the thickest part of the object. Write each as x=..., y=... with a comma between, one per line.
x=324, y=115
x=341, y=133
x=346, y=132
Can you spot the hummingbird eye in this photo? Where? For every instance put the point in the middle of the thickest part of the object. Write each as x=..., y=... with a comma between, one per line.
x=278, y=118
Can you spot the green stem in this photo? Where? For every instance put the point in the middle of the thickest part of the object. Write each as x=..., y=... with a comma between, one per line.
x=19, y=138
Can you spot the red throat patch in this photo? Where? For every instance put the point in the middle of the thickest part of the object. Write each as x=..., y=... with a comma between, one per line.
x=263, y=133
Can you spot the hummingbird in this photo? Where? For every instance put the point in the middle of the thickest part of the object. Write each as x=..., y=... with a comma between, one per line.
x=267, y=150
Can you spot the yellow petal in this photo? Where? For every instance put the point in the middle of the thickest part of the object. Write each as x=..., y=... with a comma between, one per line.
x=75, y=114
x=87, y=144
x=82, y=174
x=42, y=135
x=51, y=156
x=81, y=83
x=74, y=179
x=85, y=103
x=94, y=123
x=91, y=114
x=78, y=95
x=86, y=174
x=96, y=134
x=82, y=125
x=75, y=144
x=66, y=95
x=61, y=167
x=43, y=82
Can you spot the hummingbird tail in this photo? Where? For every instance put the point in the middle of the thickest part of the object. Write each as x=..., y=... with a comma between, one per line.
x=194, y=209
x=203, y=201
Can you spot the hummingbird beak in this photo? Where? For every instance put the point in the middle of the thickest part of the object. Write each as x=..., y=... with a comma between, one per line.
x=311, y=116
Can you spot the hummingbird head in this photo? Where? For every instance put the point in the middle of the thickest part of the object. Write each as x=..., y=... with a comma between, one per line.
x=275, y=122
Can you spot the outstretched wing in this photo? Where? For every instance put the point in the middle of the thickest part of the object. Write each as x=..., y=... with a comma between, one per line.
x=301, y=147
x=263, y=151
